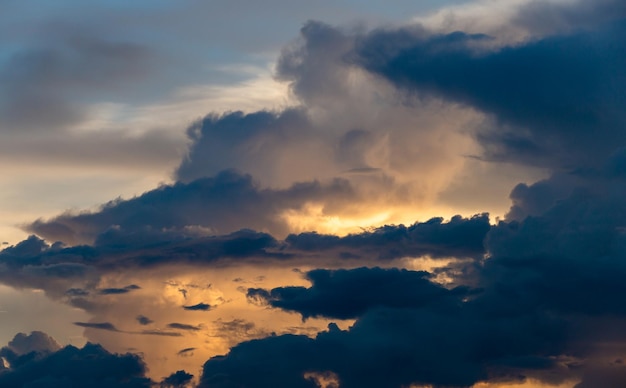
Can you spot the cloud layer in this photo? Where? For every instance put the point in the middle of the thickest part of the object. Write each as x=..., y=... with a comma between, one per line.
x=283, y=222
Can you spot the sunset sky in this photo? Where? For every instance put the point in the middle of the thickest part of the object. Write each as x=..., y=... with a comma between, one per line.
x=313, y=194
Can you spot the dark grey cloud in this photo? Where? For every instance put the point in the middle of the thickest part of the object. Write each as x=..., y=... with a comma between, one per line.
x=608, y=375
x=225, y=203
x=118, y=291
x=143, y=320
x=183, y=326
x=347, y=294
x=74, y=273
x=545, y=302
x=108, y=326
x=216, y=137
x=460, y=237
x=43, y=84
x=178, y=379
x=198, y=307
x=160, y=333
x=555, y=101
x=185, y=352
x=72, y=367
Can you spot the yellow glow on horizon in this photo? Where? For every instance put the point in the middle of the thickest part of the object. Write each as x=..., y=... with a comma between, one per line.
x=312, y=218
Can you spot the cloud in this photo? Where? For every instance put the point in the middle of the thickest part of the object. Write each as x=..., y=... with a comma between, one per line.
x=117, y=291
x=90, y=366
x=460, y=237
x=198, y=307
x=178, y=379
x=185, y=352
x=98, y=325
x=183, y=326
x=160, y=333
x=143, y=320
x=445, y=348
x=546, y=301
x=225, y=203
x=42, y=83
x=386, y=117
x=36, y=341
x=347, y=294
x=554, y=101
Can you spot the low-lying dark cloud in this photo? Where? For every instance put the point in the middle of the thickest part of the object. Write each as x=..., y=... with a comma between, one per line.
x=460, y=237
x=117, y=291
x=42, y=84
x=36, y=341
x=198, y=307
x=346, y=294
x=178, y=379
x=160, y=333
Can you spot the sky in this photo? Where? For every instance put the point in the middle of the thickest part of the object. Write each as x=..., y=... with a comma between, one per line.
x=313, y=194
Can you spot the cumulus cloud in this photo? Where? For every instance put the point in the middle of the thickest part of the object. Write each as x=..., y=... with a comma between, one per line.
x=460, y=237
x=36, y=341
x=554, y=101
x=346, y=294
x=228, y=202
x=91, y=365
x=384, y=117
x=198, y=307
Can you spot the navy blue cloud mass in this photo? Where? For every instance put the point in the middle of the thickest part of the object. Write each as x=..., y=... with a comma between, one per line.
x=535, y=296
x=556, y=101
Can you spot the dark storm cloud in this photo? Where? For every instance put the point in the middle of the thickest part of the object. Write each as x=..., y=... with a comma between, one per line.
x=74, y=272
x=225, y=203
x=543, y=17
x=556, y=101
x=346, y=294
x=143, y=320
x=549, y=297
x=91, y=366
x=42, y=83
x=460, y=237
